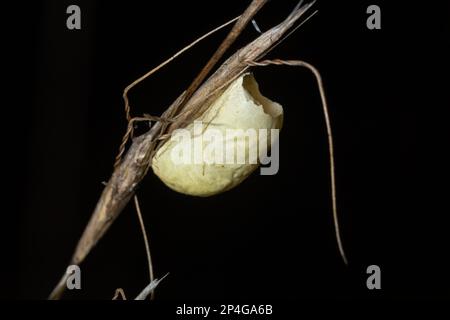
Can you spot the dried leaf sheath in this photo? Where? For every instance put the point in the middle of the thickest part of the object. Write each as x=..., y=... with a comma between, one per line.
x=130, y=172
x=233, y=68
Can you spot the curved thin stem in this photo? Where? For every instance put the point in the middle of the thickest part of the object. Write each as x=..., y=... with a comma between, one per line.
x=318, y=77
x=147, y=246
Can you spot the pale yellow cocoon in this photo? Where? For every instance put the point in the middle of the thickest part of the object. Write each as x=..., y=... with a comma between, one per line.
x=241, y=106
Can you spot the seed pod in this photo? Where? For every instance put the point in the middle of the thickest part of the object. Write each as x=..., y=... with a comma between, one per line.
x=205, y=158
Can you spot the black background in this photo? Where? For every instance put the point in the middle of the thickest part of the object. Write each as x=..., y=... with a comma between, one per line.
x=271, y=237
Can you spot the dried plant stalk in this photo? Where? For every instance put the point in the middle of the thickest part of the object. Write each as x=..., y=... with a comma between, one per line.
x=299, y=63
x=132, y=169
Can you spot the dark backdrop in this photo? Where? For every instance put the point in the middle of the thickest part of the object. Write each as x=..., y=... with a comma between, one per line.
x=271, y=237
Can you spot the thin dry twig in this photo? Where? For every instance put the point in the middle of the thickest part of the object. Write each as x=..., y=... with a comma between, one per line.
x=119, y=293
x=245, y=18
x=299, y=63
x=128, y=117
x=132, y=169
x=147, y=245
